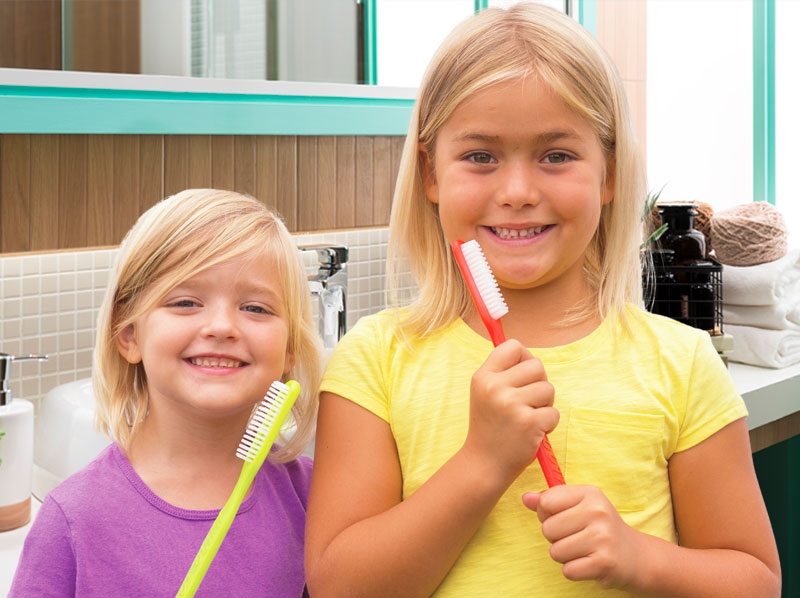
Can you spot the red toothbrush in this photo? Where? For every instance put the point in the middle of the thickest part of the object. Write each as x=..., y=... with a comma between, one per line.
x=491, y=307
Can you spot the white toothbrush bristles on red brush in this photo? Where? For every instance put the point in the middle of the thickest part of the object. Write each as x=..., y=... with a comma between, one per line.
x=491, y=307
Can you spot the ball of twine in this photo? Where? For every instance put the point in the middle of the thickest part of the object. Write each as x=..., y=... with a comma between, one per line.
x=749, y=234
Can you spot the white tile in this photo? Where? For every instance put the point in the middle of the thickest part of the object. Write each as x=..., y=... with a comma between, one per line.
x=84, y=260
x=66, y=262
x=66, y=302
x=11, y=308
x=12, y=266
x=84, y=280
x=66, y=281
x=49, y=382
x=30, y=306
x=86, y=319
x=30, y=388
x=48, y=304
x=85, y=340
x=66, y=321
x=31, y=325
x=84, y=299
x=49, y=283
x=30, y=265
x=49, y=263
x=100, y=278
x=66, y=363
x=84, y=359
x=30, y=346
x=11, y=287
x=12, y=329
x=31, y=285
x=49, y=346
x=49, y=324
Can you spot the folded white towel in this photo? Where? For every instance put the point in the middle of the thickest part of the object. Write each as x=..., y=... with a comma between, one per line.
x=778, y=316
x=762, y=347
x=764, y=284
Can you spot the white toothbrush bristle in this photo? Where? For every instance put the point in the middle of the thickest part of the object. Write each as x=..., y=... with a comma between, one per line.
x=261, y=420
x=484, y=279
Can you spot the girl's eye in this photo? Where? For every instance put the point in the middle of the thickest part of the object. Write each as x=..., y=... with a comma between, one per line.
x=183, y=303
x=256, y=309
x=480, y=158
x=557, y=158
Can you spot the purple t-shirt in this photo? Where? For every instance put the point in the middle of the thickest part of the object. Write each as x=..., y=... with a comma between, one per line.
x=104, y=533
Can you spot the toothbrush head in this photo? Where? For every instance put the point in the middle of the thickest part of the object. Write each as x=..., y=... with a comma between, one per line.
x=266, y=421
x=482, y=286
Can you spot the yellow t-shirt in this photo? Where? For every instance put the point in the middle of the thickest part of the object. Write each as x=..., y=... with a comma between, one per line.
x=625, y=408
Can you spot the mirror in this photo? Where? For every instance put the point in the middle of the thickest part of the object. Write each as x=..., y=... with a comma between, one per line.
x=334, y=41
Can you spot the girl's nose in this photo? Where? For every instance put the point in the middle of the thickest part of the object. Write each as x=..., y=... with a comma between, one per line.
x=518, y=188
x=220, y=323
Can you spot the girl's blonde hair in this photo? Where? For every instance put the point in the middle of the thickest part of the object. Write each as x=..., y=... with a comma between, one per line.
x=174, y=240
x=497, y=45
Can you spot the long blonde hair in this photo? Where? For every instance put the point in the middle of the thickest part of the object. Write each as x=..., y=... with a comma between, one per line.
x=497, y=45
x=177, y=238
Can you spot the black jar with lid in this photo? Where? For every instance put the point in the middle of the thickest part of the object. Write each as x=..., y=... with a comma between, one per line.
x=688, y=243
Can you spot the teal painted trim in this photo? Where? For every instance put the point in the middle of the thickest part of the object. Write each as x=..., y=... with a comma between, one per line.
x=103, y=111
x=764, y=100
x=587, y=15
x=371, y=41
x=481, y=5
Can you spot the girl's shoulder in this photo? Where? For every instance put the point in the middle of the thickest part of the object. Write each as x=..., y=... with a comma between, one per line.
x=289, y=480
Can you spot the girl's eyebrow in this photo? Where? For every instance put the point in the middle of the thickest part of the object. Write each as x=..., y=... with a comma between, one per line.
x=546, y=137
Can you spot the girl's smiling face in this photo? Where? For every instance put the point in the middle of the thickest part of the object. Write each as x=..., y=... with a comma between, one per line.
x=519, y=171
x=215, y=342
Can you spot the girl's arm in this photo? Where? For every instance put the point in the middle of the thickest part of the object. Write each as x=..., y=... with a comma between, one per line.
x=726, y=543
x=362, y=540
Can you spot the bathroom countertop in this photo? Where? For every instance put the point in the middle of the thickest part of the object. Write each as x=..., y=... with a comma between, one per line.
x=10, y=548
x=768, y=393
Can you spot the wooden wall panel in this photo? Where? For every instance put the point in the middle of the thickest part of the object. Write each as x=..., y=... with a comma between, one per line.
x=307, y=183
x=382, y=181
x=100, y=191
x=286, y=180
x=126, y=184
x=176, y=163
x=222, y=162
x=244, y=164
x=345, y=182
x=68, y=191
x=199, y=162
x=30, y=34
x=105, y=36
x=151, y=161
x=15, y=176
x=326, y=183
x=73, y=191
x=45, y=184
x=266, y=170
x=364, y=180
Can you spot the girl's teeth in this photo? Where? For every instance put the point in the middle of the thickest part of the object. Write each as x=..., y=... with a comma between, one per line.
x=514, y=233
x=215, y=362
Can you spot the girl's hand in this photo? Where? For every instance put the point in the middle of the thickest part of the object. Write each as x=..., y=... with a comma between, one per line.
x=510, y=410
x=587, y=534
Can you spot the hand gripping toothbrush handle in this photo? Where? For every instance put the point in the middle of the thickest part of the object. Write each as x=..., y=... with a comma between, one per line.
x=491, y=307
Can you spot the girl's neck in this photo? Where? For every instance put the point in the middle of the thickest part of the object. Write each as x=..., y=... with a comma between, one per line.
x=540, y=316
x=189, y=464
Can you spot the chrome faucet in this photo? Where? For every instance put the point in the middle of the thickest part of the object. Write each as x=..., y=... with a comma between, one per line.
x=329, y=285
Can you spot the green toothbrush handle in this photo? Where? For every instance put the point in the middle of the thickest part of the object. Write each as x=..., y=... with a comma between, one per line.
x=214, y=539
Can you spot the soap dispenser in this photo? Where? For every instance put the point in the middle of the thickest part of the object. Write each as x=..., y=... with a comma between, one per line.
x=16, y=450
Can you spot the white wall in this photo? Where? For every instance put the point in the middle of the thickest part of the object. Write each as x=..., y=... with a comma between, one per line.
x=700, y=103
x=699, y=100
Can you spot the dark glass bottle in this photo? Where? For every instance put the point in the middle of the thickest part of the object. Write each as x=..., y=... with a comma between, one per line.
x=666, y=297
x=688, y=243
x=701, y=295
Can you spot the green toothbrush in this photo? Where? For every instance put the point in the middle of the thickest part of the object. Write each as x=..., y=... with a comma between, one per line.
x=261, y=432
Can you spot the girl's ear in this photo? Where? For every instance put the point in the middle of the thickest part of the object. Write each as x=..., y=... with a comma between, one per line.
x=288, y=364
x=127, y=345
x=608, y=186
x=428, y=176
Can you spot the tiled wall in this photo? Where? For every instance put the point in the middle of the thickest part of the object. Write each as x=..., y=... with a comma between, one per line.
x=49, y=303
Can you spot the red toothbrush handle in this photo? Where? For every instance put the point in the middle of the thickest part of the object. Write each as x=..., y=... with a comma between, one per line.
x=549, y=465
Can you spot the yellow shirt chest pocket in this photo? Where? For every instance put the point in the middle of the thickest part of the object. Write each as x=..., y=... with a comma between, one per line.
x=619, y=452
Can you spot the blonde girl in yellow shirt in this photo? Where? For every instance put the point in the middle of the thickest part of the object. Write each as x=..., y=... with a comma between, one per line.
x=425, y=479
